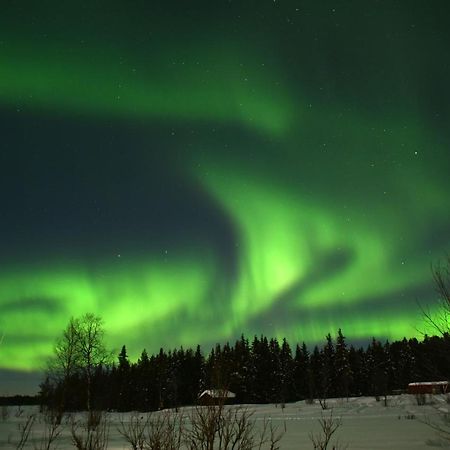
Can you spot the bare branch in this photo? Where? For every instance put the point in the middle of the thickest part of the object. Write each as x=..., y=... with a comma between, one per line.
x=328, y=425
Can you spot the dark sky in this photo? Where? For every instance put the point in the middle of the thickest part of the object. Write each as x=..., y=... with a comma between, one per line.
x=191, y=171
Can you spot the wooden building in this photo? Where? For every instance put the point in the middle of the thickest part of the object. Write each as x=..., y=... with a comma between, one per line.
x=428, y=387
x=216, y=397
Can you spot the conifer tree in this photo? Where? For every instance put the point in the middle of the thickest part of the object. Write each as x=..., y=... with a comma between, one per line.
x=124, y=363
x=287, y=367
x=161, y=364
x=262, y=366
x=304, y=382
x=377, y=366
x=343, y=372
x=241, y=382
x=327, y=373
x=199, y=369
x=358, y=367
x=123, y=382
x=143, y=382
x=316, y=370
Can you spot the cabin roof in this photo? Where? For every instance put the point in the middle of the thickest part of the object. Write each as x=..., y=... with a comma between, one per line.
x=218, y=393
x=429, y=383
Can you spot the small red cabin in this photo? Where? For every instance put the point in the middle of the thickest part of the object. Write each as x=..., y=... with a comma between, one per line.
x=428, y=387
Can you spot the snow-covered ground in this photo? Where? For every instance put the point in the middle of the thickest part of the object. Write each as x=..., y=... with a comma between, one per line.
x=366, y=423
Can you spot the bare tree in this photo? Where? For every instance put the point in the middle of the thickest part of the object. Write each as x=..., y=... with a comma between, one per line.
x=211, y=427
x=67, y=357
x=90, y=349
x=80, y=349
x=51, y=432
x=440, y=320
x=164, y=431
x=65, y=363
x=222, y=428
x=154, y=431
x=85, y=436
x=24, y=433
x=134, y=430
x=328, y=427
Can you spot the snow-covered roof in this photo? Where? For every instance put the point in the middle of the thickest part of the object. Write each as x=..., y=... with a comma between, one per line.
x=218, y=393
x=429, y=383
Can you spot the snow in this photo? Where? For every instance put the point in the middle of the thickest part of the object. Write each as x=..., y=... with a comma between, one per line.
x=366, y=423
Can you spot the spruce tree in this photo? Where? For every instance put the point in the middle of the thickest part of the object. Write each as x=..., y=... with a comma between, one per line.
x=304, y=381
x=343, y=372
x=123, y=385
x=287, y=367
x=358, y=367
x=327, y=372
x=377, y=366
x=241, y=381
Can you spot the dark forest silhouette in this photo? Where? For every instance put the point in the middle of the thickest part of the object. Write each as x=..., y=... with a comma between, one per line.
x=259, y=371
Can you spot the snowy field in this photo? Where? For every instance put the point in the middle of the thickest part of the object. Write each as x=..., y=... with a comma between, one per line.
x=365, y=424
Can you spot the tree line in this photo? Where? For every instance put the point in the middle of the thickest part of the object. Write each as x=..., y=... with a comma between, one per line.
x=260, y=370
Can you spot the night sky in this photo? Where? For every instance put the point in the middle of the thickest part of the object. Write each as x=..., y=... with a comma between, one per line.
x=191, y=171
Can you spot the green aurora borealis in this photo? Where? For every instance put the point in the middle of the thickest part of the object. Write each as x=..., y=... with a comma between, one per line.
x=194, y=171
